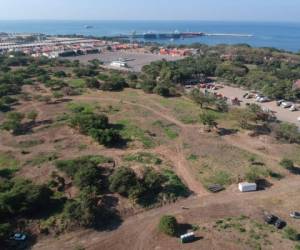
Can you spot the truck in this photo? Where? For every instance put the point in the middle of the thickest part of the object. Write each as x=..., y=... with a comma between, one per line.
x=247, y=187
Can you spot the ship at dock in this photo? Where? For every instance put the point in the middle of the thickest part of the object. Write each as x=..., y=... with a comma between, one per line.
x=173, y=35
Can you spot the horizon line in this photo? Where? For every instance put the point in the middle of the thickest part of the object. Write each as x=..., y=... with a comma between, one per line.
x=152, y=20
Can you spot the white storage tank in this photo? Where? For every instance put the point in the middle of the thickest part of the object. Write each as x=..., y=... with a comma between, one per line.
x=247, y=187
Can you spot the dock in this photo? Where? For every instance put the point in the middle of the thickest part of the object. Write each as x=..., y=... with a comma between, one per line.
x=174, y=35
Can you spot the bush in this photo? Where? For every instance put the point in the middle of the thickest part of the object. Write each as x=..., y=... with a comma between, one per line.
x=291, y=234
x=5, y=230
x=84, y=170
x=92, y=83
x=13, y=123
x=288, y=132
x=21, y=197
x=96, y=126
x=255, y=174
x=168, y=225
x=123, y=181
x=208, y=119
x=32, y=115
x=287, y=164
x=84, y=211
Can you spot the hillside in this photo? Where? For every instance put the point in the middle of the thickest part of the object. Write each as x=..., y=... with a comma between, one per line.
x=94, y=157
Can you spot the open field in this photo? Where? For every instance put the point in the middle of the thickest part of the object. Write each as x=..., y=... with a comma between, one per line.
x=165, y=131
x=134, y=60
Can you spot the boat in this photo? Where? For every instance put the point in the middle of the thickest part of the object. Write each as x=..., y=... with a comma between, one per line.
x=89, y=26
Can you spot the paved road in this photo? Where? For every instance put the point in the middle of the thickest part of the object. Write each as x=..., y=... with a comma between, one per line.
x=281, y=113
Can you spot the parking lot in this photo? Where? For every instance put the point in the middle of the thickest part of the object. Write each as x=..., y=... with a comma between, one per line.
x=134, y=60
x=281, y=113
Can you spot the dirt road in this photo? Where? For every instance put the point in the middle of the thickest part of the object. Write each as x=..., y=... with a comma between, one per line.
x=138, y=232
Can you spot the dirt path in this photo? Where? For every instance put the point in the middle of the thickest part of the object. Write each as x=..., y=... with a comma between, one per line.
x=139, y=232
x=158, y=113
x=178, y=158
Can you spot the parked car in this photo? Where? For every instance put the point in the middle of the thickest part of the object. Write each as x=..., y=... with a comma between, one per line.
x=263, y=99
x=293, y=108
x=257, y=98
x=274, y=220
x=270, y=218
x=298, y=119
x=279, y=102
x=279, y=224
x=18, y=237
x=295, y=215
x=286, y=105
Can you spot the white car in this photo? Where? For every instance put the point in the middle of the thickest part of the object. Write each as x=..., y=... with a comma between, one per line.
x=298, y=119
x=258, y=98
x=293, y=108
x=295, y=215
x=286, y=105
x=19, y=237
x=263, y=99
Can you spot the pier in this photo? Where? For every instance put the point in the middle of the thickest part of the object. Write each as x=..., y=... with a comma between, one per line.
x=175, y=35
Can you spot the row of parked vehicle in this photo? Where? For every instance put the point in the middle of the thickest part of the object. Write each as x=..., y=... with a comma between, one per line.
x=257, y=97
x=287, y=105
x=278, y=222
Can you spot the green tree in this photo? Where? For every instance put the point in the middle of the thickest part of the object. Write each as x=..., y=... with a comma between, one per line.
x=123, y=181
x=208, y=119
x=168, y=225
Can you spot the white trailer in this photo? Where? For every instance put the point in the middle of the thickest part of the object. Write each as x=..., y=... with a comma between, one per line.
x=247, y=187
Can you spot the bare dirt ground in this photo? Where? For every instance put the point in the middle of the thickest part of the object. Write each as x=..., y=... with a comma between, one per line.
x=139, y=232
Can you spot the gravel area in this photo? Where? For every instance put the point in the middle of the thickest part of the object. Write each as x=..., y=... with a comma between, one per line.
x=281, y=113
x=134, y=60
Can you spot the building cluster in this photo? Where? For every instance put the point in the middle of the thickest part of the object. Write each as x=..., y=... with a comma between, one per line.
x=54, y=47
x=176, y=52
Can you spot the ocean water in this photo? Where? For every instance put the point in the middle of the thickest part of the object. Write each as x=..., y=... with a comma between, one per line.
x=278, y=35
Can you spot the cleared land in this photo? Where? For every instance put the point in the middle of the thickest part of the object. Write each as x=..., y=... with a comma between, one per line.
x=167, y=129
x=134, y=60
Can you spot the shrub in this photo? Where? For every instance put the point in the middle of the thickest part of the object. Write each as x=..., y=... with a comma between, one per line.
x=208, y=119
x=288, y=132
x=21, y=197
x=92, y=83
x=291, y=234
x=168, y=225
x=123, y=181
x=143, y=157
x=255, y=174
x=32, y=115
x=84, y=211
x=5, y=230
x=287, y=164
x=13, y=123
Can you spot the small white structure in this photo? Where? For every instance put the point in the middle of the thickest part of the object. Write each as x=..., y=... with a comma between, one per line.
x=247, y=187
x=119, y=64
x=189, y=237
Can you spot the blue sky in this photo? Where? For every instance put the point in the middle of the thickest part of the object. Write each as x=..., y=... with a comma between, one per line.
x=227, y=10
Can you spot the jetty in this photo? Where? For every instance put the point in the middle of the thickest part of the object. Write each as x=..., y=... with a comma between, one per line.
x=173, y=35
